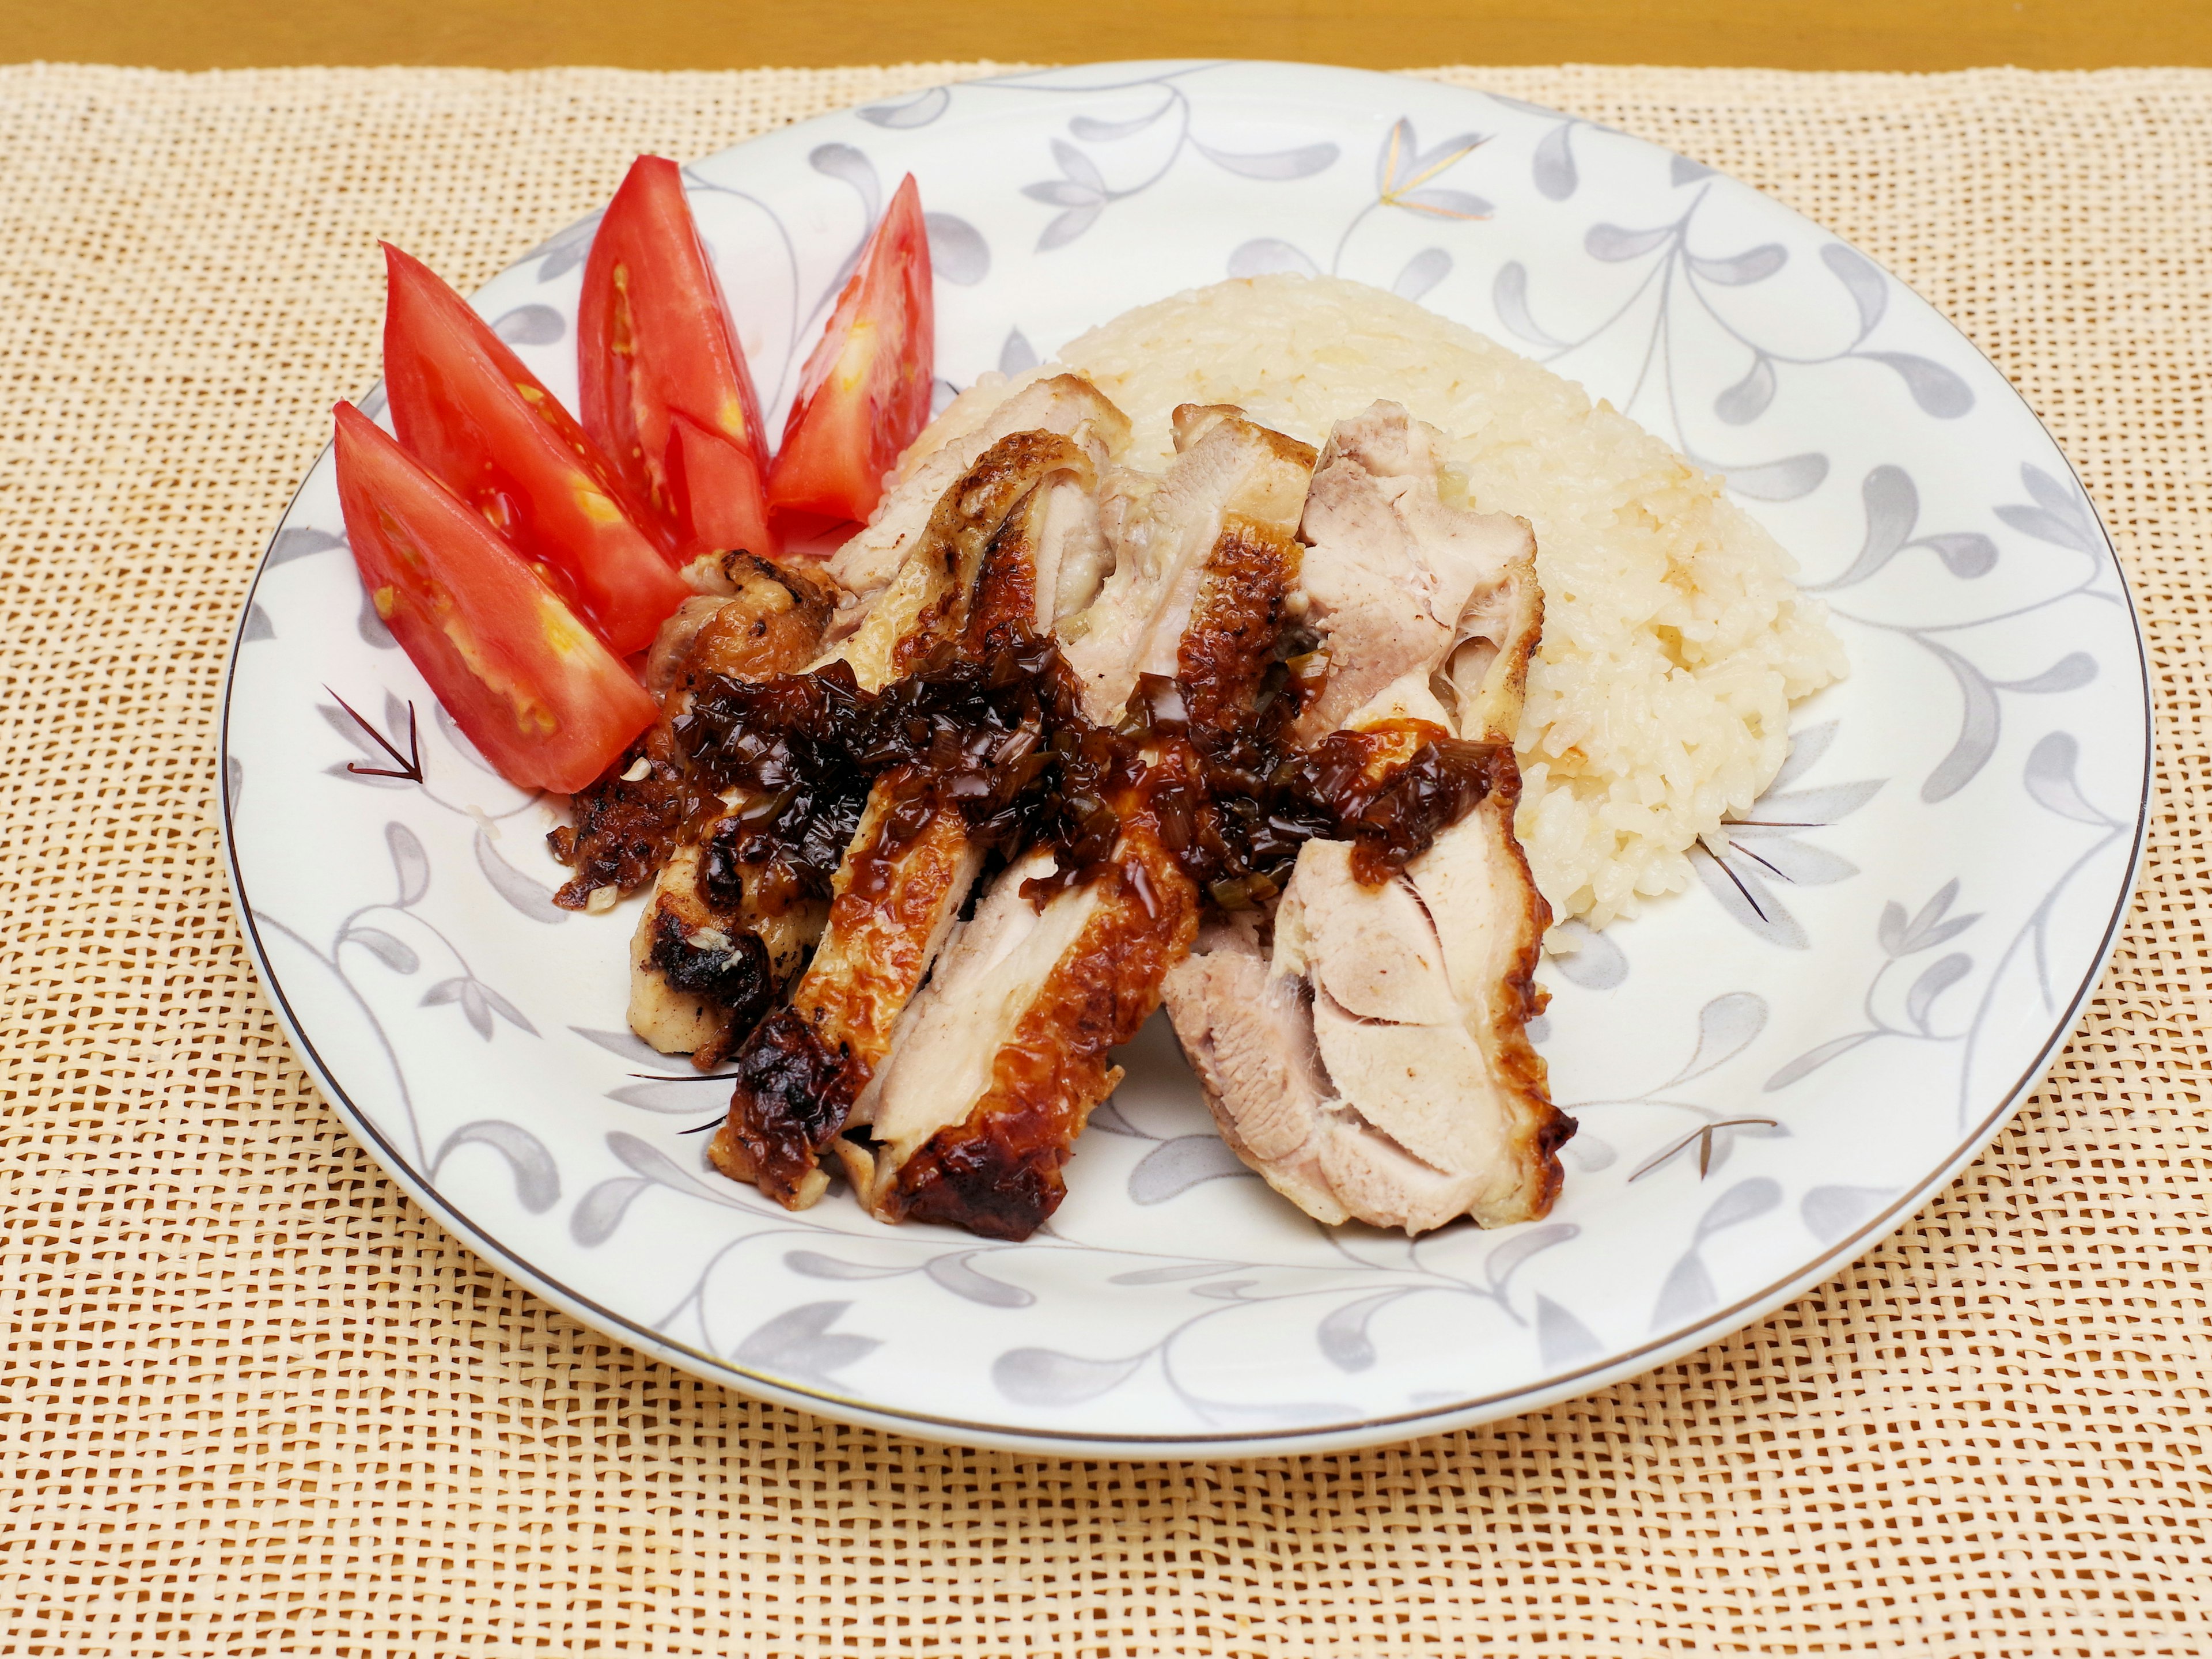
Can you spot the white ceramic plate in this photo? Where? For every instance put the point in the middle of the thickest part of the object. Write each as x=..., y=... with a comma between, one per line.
x=1770, y=1072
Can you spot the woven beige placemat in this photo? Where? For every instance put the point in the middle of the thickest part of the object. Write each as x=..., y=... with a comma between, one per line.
x=256, y=1404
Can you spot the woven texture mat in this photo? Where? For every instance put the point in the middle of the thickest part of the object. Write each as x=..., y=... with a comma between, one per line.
x=256, y=1403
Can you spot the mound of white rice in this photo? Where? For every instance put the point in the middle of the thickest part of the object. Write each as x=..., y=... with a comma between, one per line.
x=1674, y=641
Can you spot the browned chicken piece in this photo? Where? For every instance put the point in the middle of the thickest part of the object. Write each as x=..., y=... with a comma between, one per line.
x=717, y=942
x=1016, y=489
x=1392, y=573
x=1000, y=1062
x=897, y=895
x=994, y=558
x=1231, y=480
x=1066, y=404
x=626, y=824
x=712, y=951
x=1002, y=1058
x=770, y=622
x=1370, y=1059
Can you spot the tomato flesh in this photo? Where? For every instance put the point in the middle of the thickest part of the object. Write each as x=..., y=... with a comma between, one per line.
x=665, y=392
x=865, y=392
x=489, y=431
x=535, y=690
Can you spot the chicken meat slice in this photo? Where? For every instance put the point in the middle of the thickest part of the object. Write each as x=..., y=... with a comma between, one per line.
x=1374, y=1064
x=719, y=938
x=1066, y=404
x=1003, y=544
x=1393, y=575
x=1034, y=491
x=896, y=896
x=1233, y=485
x=712, y=949
x=1004, y=1056
x=1372, y=1060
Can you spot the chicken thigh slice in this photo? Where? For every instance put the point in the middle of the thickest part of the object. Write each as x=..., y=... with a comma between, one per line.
x=990, y=566
x=1391, y=570
x=1007, y=1053
x=1371, y=1062
x=1232, y=482
x=1066, y=404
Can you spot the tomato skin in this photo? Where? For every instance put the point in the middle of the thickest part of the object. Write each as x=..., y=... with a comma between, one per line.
x=547, y=703
x=665, y=390
x=485, y=428
x=865, y=392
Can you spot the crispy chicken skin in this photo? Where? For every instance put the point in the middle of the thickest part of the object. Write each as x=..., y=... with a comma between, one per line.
x=1231, y=478
x=1065, y=405
x=897, y=894
x=708, y=957
x=993, y=557
x=1370, y=1059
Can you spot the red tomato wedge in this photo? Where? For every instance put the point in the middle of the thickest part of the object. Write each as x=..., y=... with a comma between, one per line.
x=535, y=690
x=865, y=392
x=483, y=426
x=665, y=390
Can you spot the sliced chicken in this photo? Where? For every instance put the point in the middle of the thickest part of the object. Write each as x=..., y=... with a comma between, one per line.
x=1016, y=487
x=1372, y=1060
x=713, y=949
x=798, y=1073
x=626, y=824
x=1066, y=404
x=1234, y=489
x=719, y=939
x=1005, y=1055
x=1003, y=1058
x=1045, y=563
x=1374, y=1064
x=1012, y=534
x=1391, y=571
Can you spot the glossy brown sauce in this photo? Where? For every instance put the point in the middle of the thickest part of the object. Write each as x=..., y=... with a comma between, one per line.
x=1003, y=739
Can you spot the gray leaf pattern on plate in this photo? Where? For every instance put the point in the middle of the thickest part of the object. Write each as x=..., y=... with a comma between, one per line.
x=1688, y=1290
x=916, y=111
x=1266, y=254
x=290, y=544
x=532, y=897
x=531, y=324
x=1553, y=166
x=958, y=251
x=799, y=1342
x=1018, y=356
x=1173, y=1167
x=2059, y=515
x=1829, y=1212
x=1045, y=1377
x=537, y=1178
